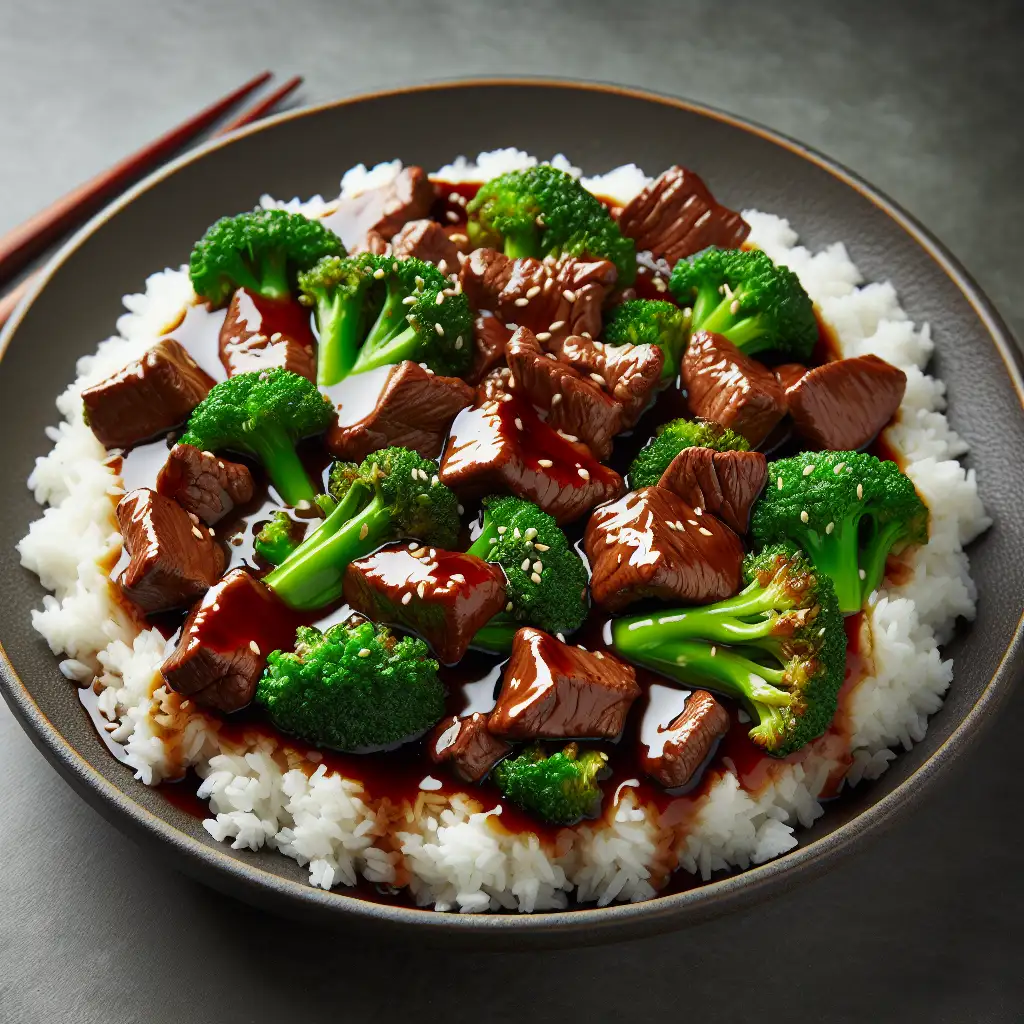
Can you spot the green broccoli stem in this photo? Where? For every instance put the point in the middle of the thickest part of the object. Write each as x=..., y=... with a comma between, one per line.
x=273, y=277
x=340, y=322
x=497, y=635
x=837, y=555
x=481, y=547
x=717, y=668
x=519, y=246
x=720, y=319
x=717, y=623
x=389, y=321
x=312, y=576
x=394, y=349
x=874, y=555
x=287, y=473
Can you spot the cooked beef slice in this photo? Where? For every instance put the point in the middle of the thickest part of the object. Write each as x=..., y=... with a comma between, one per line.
x=675, y=751
x=173, y=557
x=149, y=396
x=651, y=543
x=377, y=214
x=262, y=334
x=204, y=484
x=466, y=746
x=726, y=484
x=553, y=690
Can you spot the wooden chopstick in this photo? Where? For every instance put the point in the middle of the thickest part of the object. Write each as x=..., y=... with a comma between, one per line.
x=261, y=107
x=18, y=247
x=9, y=302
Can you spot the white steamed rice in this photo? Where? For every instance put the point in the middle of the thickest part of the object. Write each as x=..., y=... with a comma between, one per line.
x=450, y=854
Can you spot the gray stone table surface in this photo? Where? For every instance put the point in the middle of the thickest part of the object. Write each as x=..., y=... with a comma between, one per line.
x=924, y=100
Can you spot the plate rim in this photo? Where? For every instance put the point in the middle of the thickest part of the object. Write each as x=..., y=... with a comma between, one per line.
x=239, y=877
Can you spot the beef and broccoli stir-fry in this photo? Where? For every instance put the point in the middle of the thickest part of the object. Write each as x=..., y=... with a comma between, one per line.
x=603, y=448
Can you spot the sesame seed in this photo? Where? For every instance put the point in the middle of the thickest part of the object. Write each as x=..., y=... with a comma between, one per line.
x=378, y=273
x=808, y=470
x=442, y=265
x=363, y=531
x=544, y=336
x=698, y=512
x=502, y=529
x=508, y=607
x=460, y=509
x=862, y=574
x=526, y=565
x=406, y=597
x=830, y=527
x=540, y=547
x=410, y=300
x=254, y=647
x=439, y=329
x=804, y=516
x=535, y=577
x=535, y=290
x=860, y=491
x=659, y=284
x=545, y=463
x=458, y=577
x=435, y=480
x=517, y=534
x=439, y=299
x=458, y=239
x=839, y=468
x=196, y=532
x=693, y=522
x=679, y=526
x=584, y=473
x=538, y=566
x=587, y=334
x=519, y=423
x=521, y=301
x=539, y=220
x=421, y=588
x=599, y=655
x=569, y=295
x=556, y=325
x=780, y=483
x=452, y=216
x=672, y=526
x=547, y=284
x=714, y=651
x=394, y=266
x=419, y=282
x=364, y=652
x=510, y=327
x=556, y=398
x=705, y=532
x=734, y=306
x=598, y=379
x=493, y=540
x=458, y=343
x=276, y=336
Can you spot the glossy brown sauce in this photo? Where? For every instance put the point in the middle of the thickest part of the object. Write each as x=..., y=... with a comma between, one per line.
x=398, y=775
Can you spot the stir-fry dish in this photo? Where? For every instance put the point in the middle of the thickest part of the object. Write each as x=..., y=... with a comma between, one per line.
x=503, y=504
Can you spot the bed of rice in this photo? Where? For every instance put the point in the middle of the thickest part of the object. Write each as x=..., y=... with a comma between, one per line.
x=450, y=853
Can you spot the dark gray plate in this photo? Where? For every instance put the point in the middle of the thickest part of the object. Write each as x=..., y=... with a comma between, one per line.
x=599, y=127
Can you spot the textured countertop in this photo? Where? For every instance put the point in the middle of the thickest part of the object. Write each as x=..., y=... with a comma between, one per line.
x=923, y=100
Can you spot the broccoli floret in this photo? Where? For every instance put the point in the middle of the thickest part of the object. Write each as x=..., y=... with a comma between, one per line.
x=376, y=310
x=550, y=592
x=543, y=211
x=560, y=789
x=847, y=510
x=352, y=688
x=671, y=438
x=779, y=647
x=263, y=413
x=395, y=494
x=261, y=251
x=276, y=539
x=743, y=295
x=649, y=322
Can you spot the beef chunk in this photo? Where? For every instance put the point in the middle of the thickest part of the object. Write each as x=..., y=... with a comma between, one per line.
x=174, y=559
x=445, y=596
x=842, y=406
x=672, y=753
x=427, y=240
x=676, y=216
x=501, y=445
x=553, y=297
x=652, y=544
x=414, y=410
x=260, y=334
x=730, y=388
x=630, y=373
x=203, y=484
x=490, y=336
x=379, y=213
x=147, y=397
x=552, y=690
x=225, y=641
x=574, y=404
x=726, y=484
x=466, y=745
x=789, y=374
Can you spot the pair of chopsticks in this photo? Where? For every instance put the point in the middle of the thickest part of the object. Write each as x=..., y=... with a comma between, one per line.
x=18, y=248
